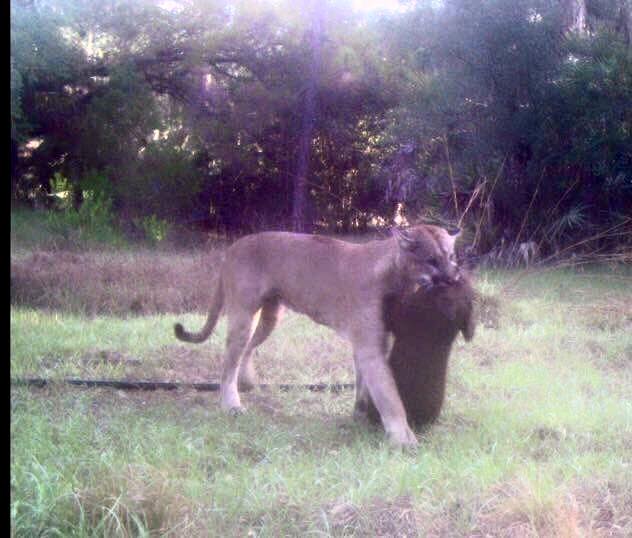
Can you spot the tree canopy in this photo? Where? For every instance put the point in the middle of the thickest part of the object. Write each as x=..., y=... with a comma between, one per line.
x=510, y=117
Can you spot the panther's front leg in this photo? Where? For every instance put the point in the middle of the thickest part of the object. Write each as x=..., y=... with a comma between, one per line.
x=376, y=379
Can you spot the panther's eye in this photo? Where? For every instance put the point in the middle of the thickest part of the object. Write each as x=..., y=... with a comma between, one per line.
x=434, y=262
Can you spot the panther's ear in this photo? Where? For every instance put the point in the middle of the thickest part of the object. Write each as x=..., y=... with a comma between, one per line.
x=403, y=238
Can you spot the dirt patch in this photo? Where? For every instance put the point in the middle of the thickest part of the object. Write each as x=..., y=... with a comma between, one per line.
x=606, y=510
x=611, y=315
x=515, y=510
x=114, y=283
x=185, y=364
x=379, y=517
x=395, y=518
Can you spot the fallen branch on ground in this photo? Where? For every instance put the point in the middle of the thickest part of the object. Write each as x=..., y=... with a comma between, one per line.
x=172, y=385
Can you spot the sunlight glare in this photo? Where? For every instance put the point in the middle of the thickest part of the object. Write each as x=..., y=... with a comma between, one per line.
x=378, y=5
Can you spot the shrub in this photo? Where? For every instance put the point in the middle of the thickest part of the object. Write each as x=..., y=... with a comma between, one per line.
x=92, y=222
x=154, y=229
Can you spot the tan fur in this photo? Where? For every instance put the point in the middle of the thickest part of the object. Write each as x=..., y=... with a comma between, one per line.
x=424, y=326
x=338, y=284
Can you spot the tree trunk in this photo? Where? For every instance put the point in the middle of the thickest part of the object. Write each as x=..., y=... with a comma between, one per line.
x=574, y=16
x=300, y=220
x=624, y=22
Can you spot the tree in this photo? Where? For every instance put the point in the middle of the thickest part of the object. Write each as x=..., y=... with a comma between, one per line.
x=43, y=63
x=509, y=116
x=312, y=76
x=486, y=100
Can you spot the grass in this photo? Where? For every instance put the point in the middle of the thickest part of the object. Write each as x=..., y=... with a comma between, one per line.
x=534, y=439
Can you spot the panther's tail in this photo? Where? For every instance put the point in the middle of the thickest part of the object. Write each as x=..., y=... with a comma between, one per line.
x=211, y=320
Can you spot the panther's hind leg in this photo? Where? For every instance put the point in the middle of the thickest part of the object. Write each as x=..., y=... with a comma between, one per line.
x=240, y=324
x=269, y=315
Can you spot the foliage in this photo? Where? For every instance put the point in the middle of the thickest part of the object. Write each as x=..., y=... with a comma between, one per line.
x=154, y=229
x=502, y=99
x=196, y=113
x=115, y=124
x=91, y=223
x=41, y=60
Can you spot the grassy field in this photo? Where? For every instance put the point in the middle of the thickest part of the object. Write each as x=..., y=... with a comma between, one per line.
x=535, y=438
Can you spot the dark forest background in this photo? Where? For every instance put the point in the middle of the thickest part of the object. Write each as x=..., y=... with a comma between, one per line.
x=511, y=118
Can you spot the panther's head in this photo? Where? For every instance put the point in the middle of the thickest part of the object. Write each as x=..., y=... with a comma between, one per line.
x=426, y=255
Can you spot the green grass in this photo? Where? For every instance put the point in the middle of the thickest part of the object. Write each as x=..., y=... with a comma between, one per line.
x=53, y=344
x=534, y=438
x=537, y=413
